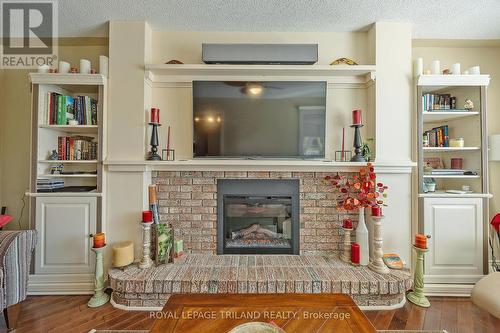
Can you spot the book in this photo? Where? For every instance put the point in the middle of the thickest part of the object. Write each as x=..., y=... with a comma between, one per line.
x=76, y=148
x=393, y=261
x=61, y=108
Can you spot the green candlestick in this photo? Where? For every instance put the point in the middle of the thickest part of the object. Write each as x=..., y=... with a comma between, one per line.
x=417, y=296
x=100, y=297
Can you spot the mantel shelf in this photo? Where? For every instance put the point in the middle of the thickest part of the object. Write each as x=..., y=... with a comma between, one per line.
x=442, y=81
x=256, y=165
x=358, y=74
x=67, y=79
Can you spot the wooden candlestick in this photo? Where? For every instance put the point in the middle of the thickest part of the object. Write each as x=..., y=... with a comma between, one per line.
x=417, y=296
x=358, y=157
x=377, y=264
x=346, y=254
x=100, y=297
x=146, y=261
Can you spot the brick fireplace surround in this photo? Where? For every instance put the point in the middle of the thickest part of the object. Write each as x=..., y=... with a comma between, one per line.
x=188, y=199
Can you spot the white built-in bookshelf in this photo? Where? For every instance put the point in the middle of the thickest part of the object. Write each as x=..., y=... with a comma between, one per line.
x=68, y=113
x=454, y=218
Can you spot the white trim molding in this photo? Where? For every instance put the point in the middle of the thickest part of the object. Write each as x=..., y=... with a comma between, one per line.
x=61, y=284
x=455, y=290
x=395, y=167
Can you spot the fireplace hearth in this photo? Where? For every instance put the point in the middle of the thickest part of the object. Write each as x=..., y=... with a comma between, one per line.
x=257, y=216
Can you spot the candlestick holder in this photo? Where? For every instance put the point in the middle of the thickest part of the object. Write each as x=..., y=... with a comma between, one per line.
x=100, y=297
x=168, y=154
x=346, y=253
x=153, y=154
x=377, y=264
x=146, y=261
x=343, y=156
x=417, y=296
x=358, y=156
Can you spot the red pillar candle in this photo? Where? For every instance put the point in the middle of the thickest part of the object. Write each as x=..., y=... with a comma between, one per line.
x=421, y=241
x=155, y=115
x=147, y=216
x=347, y=224
x=99, y=240
x=376, y=211
x=356, y=117
x=355, y=253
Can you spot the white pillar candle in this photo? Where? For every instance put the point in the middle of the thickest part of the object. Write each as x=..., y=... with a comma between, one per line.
x=43, y=69
x=85, y=66
x=64, y=67
x=103, y=65
x=419, y=67
x=436, y=67
x=474, y=70
x=123, y=254
x=455, y=69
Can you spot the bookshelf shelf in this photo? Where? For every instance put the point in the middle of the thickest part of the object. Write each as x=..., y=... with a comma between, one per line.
x=448, y=149
x=440, y=116
x=189, y=72
x=72, y=129
x=68, y=161
x=452, y=176
x=68, y=176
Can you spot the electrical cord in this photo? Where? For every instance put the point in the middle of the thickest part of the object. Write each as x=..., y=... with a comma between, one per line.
x=22, y=211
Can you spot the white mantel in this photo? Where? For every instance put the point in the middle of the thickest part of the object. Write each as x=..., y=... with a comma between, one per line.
x=205, y=164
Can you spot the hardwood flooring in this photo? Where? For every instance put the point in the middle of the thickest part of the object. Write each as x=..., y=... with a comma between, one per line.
x=71, y=314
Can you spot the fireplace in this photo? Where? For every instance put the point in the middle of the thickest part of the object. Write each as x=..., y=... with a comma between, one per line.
x=258, y=216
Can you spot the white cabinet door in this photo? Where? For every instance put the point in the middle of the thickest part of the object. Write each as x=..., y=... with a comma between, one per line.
x=64, y=225
x=456, y=244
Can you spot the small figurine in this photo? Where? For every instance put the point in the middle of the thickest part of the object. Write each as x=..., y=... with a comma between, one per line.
x=446, y=71
x=469, y=105
x=56, y=169
x=343, y=61
x=54, y=156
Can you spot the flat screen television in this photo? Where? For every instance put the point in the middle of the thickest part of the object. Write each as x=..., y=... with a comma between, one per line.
x=267, y=119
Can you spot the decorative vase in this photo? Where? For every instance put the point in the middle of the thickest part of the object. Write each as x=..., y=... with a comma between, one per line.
x=369, y=225
x=362, y=238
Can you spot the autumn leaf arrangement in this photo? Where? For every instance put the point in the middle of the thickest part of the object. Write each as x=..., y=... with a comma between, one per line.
x=360, y=191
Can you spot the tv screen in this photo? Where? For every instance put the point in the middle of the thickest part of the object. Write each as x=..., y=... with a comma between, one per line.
x=268, y=119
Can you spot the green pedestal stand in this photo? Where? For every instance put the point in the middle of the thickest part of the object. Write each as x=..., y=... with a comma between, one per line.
x=100, y=297
x=417, y=296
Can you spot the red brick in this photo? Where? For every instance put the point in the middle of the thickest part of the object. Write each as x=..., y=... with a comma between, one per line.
x=326, y=203
x=168, y=174
x=303, y=174
x=315, y=195
x=174, y=202
x=191, y=188
x=203, y=181
x=181, y=181
x=190, y=203
x=235, y=174
x=168, y=188
x=208, y=217
x=213, y=174
x=209, y=188
x=258, y=174
x=180, y=195
x=202, y=195
x=307, y=203
x=307, y=188
x=190, y=217
x=179, y=210
x=210, y=203
x=191, y=174
x=203, y=210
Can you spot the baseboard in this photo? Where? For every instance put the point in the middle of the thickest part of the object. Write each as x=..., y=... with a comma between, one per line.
x=155, y=309
x=61, y=284
x=455, y=290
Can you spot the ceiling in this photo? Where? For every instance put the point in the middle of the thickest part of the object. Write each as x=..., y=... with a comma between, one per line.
x=453, y=19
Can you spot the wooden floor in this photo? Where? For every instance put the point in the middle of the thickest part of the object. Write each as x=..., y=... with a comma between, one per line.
x=71, y=314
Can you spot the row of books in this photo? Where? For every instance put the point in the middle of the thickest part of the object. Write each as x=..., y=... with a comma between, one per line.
x=60, y=109
x=76, y=148
x=438, y=102
x=437, y=137
x=49, y=183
